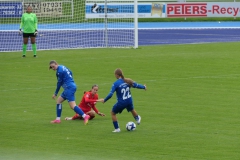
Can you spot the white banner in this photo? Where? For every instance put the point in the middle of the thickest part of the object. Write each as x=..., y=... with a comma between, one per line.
x=125, y=10
x=201, y=9
x=163, y=10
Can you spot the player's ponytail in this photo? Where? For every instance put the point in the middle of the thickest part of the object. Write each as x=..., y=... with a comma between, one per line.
x=129, y=81
x=119, y=72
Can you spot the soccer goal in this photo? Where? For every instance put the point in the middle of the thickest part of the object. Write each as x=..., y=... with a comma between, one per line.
x=72, y=24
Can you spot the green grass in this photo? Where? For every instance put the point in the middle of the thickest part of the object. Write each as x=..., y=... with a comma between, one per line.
x=189, y=112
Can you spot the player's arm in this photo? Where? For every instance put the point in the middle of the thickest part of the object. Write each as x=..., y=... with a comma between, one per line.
x=94, y=104
x=139, y=86
x=36, y=25
x=36, y=22
x=96, y=110
x=22, y=21
x=110, y=93
x=59, y=83
x=21, y=24
x=87, y=100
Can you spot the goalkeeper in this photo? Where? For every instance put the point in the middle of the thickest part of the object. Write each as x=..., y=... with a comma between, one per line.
x=29, y=26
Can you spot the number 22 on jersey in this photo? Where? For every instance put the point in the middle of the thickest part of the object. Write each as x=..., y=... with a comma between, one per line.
x=126, y=93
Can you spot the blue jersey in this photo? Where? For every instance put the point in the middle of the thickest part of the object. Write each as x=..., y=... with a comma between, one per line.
x=64, y=78
x=123, y=91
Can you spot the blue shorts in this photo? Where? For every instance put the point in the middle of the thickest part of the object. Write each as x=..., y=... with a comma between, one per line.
x=118, y=108
x=69, y=94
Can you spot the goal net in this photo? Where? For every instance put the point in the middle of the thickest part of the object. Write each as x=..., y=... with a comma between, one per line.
x=70, y=24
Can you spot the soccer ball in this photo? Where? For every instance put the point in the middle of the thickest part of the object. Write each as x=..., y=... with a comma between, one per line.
x=130, y=126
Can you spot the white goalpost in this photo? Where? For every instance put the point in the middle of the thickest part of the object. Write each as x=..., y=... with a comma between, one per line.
x=72, y=24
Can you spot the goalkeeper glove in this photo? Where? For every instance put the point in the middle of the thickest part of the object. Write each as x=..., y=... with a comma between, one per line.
x=20, y=32
x=36, y=32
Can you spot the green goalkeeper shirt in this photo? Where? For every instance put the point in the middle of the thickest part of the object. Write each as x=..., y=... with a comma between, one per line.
x=29, y=23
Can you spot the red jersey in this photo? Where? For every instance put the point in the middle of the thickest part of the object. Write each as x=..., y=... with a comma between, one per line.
x=88, y=102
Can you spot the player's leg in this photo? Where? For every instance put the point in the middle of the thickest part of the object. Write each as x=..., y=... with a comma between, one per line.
x=59, y=109
x=76, y=116
x=116, y=109
x=131, y=109
x=91, y=114
x=34, y=46
x=79, y=111
x=71, y=101
x=115, y=122
x=25, y=42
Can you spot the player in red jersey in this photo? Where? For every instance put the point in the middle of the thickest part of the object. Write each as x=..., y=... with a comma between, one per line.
x=87, y=104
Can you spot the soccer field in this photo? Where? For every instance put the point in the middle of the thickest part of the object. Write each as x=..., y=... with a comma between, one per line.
x=189, y=112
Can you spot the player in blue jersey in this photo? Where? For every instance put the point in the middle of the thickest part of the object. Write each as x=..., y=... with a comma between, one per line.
x=124, y=98
x=65, y=79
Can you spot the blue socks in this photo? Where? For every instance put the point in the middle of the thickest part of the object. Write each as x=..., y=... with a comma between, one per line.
x=59, y=110
x=78, y=111
x=115, y=123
